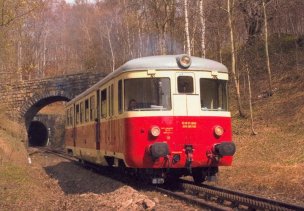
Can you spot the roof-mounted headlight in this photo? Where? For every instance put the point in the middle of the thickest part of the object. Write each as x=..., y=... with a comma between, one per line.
x=184, y=61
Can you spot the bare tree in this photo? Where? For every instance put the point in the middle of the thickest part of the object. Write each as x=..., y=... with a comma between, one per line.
x=233, y=57
x=203, y=25
x=253, y=132
x=110, y=44
x=11, y=11
x=13, y=19
x=188, y=50
x=158, y=18
x=253, y=17
x=266, y=49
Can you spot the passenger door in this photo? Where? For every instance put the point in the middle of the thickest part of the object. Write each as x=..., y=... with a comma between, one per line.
x=186, y=108
x=185, y=97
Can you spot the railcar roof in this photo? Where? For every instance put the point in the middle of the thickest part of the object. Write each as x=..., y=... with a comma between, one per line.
x=164, y=62
x=170, y=62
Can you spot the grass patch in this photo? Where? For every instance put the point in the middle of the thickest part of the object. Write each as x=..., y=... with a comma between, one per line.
x=15, y=185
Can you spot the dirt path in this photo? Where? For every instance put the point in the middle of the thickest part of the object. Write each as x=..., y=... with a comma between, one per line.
x=66, y=186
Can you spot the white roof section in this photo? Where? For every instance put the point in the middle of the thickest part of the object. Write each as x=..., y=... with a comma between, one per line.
x=170, y=62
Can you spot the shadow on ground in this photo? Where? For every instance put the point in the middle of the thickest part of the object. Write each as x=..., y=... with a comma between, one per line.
x=74, y=179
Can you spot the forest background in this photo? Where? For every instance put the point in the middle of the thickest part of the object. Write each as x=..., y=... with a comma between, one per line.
x=260, y=41
x=48, y=38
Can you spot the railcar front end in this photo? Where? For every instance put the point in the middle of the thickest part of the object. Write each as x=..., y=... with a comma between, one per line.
x=179, y=122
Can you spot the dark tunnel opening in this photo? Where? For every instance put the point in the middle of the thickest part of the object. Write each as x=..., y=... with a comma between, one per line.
x=37, y=134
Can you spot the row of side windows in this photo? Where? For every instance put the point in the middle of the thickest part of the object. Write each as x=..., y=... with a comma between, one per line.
x=86, y=110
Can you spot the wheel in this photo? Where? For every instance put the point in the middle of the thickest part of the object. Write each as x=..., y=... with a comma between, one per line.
x=198, y=175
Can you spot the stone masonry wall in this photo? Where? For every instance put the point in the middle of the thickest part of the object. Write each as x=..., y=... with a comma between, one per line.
x=22, y=96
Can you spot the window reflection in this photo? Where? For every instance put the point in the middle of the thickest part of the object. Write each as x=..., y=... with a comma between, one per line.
x=147, y=94
x=185, y=84
x=213, y=94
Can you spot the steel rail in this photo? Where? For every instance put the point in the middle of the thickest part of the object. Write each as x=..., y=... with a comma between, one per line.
x=59, y=153
x=192, y=199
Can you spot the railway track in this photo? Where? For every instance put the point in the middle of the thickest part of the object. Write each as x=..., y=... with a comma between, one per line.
x=59, y=153
x=216, y=198
x=209, y=197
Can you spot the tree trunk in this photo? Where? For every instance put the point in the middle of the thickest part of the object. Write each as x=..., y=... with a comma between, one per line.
x=266, y=49
x=44, y=55
x=203, y=24
x=253, y=132
x=233, y=61
x=172, y=27
x=111, y=48
x=187, y=27
x=295, y=42
x=219, y=45
x=253, y=17
x=192, y=40
x=139, y=36
x=162, y=41
x=128, y=33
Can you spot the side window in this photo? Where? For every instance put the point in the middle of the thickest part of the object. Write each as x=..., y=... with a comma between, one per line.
x=86, y=109
x=77, y=114
x=72, y=116
x=120, y=96
x=143, y=94
x=103, y=97
x=111, y=106
x=213, y=94
x=185, y=84
x=92, y=108
x=69, y=117
x=67, y=121
x=81, y=112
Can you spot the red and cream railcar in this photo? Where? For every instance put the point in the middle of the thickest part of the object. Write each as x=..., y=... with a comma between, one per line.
x=162, y=115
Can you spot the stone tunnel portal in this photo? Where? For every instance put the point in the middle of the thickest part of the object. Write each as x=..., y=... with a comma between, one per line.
x=37, y=131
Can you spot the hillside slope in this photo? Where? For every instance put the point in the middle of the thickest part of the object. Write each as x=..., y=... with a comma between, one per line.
x=273, y=160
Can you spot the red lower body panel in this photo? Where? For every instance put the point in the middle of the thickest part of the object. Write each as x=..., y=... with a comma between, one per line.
x=132, y=138
x=177, y=132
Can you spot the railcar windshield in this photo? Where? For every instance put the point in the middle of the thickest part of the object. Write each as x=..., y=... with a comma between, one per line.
x=142, y=94
x=213, y=94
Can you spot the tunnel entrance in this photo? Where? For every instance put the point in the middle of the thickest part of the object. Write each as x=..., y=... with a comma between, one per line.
x=37, y=134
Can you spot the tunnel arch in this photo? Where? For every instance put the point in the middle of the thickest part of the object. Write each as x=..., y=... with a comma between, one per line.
x=36, y=104
x=37, y=134
x=31, y=109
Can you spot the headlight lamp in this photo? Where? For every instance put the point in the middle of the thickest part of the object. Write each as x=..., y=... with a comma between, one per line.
x=155, y=131
x=218, y=130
